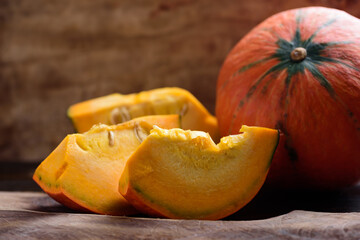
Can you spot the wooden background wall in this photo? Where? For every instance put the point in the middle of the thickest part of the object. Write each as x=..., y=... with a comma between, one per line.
x=56, y=53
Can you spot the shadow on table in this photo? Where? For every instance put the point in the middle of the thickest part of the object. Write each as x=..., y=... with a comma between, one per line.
x=270, y=203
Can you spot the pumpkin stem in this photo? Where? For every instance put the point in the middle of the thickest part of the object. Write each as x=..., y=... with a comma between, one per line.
x=298, y=54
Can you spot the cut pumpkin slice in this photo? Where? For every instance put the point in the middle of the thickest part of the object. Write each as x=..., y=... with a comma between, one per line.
x=184, y=174
x=117, y=108
x=84, y=170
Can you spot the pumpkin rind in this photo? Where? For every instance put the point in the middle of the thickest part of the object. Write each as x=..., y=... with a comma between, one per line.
x=315, y=102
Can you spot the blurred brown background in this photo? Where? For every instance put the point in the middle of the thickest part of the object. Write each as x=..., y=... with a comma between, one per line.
x=56, y=53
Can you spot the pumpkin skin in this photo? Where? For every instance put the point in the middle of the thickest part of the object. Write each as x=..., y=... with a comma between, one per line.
x=313, y=98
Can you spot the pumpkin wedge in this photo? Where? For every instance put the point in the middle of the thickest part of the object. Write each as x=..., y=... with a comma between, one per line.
x=117, y=108
x=184, y=174
x=84, y=170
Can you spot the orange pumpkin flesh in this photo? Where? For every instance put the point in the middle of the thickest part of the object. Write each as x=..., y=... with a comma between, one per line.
x=299, y=71
x=183, y=174
x=117, y=108
x=46, y=176
x=83, y=171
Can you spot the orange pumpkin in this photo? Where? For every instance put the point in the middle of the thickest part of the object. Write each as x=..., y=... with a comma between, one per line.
x=299, y=71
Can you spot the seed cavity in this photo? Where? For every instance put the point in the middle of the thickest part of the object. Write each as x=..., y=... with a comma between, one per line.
x=82, y=144
x=119, y=115
x=140, y=133
x=111, y=138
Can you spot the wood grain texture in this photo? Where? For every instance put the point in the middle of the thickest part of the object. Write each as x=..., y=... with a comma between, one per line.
x=32, y=216
x=56, y=53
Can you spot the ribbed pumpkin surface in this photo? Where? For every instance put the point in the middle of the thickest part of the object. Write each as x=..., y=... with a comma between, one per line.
x=299, y=71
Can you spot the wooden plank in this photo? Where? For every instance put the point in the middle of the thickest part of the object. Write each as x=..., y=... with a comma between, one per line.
x=32, y=201
x=35, y=216
x=295, y=225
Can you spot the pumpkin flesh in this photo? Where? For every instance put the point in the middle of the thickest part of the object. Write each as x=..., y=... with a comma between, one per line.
x=183, y=174
x=83, y=171
x=117, y=108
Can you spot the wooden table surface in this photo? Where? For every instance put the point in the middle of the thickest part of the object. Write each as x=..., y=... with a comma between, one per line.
x=33, y=215
x=28, y=213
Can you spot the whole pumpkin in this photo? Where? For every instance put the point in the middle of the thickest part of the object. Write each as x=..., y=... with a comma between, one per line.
x=299, y=72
